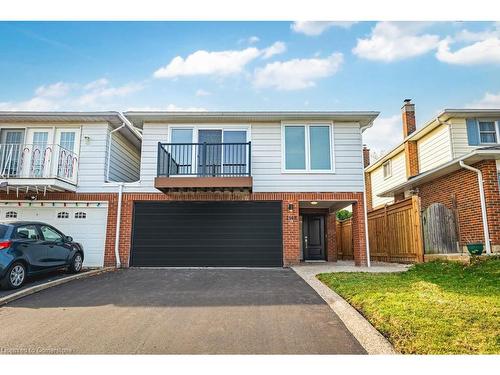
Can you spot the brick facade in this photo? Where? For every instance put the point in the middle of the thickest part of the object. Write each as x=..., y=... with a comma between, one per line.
x=291, y=219
x=411, y=156
x=291, y=225
x=460, y=190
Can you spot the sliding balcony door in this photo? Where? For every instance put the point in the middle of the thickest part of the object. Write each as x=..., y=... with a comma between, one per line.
x=210, y=152
x=38, y=153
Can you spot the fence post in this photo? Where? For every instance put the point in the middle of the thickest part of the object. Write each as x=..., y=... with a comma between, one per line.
x=419, y=243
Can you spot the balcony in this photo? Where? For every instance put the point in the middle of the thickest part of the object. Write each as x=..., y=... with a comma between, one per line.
x=204, y=167
x=39, y=168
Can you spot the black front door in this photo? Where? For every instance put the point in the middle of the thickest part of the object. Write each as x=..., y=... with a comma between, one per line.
x=313, y=237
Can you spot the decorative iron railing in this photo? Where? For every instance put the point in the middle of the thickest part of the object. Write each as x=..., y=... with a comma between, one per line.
x=37, y=161
x=204, y=159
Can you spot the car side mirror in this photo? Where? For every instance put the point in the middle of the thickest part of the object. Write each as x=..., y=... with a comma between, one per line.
x=68, y=239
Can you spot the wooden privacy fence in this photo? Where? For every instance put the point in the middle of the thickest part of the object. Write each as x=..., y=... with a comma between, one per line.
x=344, y=240
x=394, y=233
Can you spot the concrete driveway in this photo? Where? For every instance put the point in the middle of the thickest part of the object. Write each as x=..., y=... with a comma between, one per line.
x=177, y=311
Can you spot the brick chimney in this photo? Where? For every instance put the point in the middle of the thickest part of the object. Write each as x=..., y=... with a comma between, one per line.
x=408, y=113
x=409, y=127
x=366, y=156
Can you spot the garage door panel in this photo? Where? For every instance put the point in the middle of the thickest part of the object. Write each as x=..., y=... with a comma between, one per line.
x=90, y=230
x=207, y=234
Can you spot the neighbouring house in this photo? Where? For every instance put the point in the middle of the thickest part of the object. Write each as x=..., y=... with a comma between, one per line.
x=243, y=188
x=62, y=168
x=452, y=161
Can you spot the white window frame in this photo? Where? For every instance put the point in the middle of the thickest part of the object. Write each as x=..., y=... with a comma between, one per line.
x=308, y=170
x=389, y=163
x=497, y=131
x=196, y=128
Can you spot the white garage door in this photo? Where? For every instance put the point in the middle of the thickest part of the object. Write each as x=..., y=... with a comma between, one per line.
x=85, y=223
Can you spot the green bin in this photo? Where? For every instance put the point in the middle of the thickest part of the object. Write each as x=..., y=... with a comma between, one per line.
x=475, y=248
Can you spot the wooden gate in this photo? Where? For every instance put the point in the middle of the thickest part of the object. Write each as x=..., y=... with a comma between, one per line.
x=440, y=230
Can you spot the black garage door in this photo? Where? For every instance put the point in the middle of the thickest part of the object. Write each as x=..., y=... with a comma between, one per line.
x=207, y=234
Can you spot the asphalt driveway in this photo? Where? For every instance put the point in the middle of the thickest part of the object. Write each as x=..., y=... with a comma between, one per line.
x=177, y=311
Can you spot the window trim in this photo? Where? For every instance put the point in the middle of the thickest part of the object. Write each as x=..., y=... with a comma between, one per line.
x=497, y=131
x=307, y=125
x=389, y=163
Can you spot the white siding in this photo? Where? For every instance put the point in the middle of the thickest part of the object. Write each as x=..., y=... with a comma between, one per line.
x=379, y=184
x=93, y=152
x=459, y=138
x=266, y=161
x=151, y=135
x=125, y=161
x=434, y=148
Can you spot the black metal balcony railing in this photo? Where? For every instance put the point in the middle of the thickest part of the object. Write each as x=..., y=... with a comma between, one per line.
x=204, y=159
x=37, y=161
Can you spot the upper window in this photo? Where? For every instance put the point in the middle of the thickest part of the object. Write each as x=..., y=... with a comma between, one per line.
x=487, y=132
x=11, y=215
x=68, y=140
x=308, y=148
x=387, y=169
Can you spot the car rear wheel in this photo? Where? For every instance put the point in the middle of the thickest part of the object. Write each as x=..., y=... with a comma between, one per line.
x=76, y=263
x=15, y=277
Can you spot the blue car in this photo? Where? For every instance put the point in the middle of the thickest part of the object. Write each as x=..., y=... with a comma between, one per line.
x=28, y=248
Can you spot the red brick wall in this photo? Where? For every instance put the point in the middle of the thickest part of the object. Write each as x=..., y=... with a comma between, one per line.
x=460, y=190
x=331, y=234
x=411, y=156
x=291, y=226
x=368, y=190
x=111, y=198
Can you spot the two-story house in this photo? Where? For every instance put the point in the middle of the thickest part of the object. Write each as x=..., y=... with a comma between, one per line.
x=59, y=168
x=243, y=188
x=454, y=159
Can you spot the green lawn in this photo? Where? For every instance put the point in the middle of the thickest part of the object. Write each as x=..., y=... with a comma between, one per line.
x=434, y=308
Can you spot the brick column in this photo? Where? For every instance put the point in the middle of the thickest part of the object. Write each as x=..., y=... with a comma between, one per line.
x=492, y=194
x=368, y=191
x=359, y=233
x=331, y=226
x=291, y=232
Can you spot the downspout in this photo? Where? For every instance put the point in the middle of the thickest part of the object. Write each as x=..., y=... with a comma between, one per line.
x=118, y=220
x=120, y=191
x=483, y=205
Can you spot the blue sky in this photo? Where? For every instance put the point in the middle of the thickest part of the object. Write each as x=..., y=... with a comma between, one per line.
x=252, y=66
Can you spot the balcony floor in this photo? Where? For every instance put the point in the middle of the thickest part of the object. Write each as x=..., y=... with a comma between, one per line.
x=173, y=184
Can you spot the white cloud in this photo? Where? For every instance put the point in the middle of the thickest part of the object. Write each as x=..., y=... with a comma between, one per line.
x=105, y=91
x=253, y=39
x=54, y=90
x=385, y=134
x=391, y=41
x=296, y=74
x=71, y=96
x=201, y=92
x=485, y=48
x=489, y=100
x=275, y=49
x=218, y=63
x=313, y=28
x=176, y=108
x=206, y=63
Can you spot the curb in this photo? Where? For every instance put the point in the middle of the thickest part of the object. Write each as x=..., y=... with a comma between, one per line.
x=50, y=284
x=369, y=338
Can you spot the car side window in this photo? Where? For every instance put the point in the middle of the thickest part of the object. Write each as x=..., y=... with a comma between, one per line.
x=27, y=232
x=50, y=234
